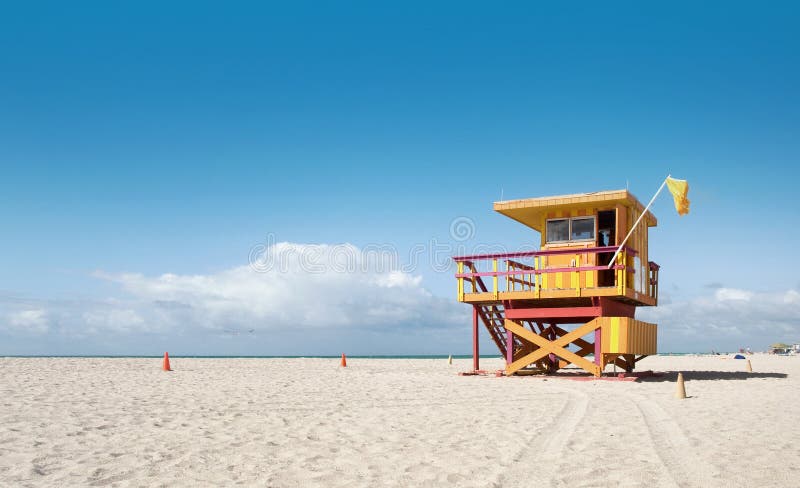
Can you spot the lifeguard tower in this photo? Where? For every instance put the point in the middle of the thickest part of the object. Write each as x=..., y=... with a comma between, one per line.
x=554, y=307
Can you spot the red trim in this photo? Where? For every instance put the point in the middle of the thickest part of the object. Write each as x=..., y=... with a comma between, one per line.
x=475, y=348
x=509, y=347
x=601, y=307
x=614, y=308
x=548, y=313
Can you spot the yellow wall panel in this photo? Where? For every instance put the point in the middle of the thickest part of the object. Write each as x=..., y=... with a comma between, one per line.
x=623, y=335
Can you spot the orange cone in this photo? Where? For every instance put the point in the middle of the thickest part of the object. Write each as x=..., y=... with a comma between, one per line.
x=165, y=366
x=344, y=361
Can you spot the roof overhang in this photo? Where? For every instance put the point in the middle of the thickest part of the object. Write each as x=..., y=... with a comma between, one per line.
x=529, y=211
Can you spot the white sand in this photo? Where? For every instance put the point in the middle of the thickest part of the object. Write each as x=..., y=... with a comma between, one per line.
x=391, y=422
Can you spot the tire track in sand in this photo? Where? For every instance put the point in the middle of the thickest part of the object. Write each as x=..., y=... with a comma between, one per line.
x=558, y=433
x=680, y=460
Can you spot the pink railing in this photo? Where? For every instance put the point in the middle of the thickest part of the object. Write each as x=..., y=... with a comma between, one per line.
x=532, y=271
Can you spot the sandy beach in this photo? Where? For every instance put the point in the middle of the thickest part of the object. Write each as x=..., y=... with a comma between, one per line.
x=393, y=422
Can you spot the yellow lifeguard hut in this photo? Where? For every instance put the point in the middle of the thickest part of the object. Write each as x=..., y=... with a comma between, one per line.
x=577, y=295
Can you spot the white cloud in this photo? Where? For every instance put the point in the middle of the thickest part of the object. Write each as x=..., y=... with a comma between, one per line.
x=731, y=317
x=791, y=296
x=725, y=294
x=29, y=320
x=293, y=285
x=121, y=320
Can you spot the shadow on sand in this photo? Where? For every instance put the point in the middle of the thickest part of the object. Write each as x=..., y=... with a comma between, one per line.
x=660, y=376
x=709, y=375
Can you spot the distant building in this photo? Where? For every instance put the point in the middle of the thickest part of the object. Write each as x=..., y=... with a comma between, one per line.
x=781, y=348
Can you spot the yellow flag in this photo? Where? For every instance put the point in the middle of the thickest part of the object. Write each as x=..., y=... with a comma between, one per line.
x=679, y=190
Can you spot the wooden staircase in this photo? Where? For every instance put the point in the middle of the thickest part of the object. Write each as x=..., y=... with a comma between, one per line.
x=493, y=318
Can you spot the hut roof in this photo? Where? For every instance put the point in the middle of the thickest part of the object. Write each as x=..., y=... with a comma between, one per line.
x=529, y=211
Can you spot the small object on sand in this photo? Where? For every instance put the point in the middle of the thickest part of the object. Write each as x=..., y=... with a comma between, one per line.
x=344, y=361
x=749, y=367
x=450, y=359
x=165, y=364
x=680, y=392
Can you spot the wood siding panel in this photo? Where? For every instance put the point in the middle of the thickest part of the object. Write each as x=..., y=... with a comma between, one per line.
x=623, y=335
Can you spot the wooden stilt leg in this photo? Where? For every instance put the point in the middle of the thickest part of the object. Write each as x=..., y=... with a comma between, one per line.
x=475, y=349
x=553, y=359
x=629, y=362
x=598, y=355
x=509, y=347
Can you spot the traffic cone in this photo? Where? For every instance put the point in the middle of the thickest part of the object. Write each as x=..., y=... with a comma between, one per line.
x=165, y=366
x=450, y=359
x=344, y=361
x=749, y=367
x=681, y=390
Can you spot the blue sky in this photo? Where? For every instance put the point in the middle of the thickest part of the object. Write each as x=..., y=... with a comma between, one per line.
x=149, y=139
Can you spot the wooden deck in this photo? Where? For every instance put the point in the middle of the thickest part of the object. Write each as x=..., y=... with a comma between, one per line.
x=544, y=296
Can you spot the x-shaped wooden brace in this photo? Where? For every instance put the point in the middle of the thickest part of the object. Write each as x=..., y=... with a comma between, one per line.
x=556, y=347
x=585, y=346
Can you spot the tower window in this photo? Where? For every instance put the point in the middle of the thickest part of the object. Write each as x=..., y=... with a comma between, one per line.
x=574, y=229
x=558, y=230
x=582, y=229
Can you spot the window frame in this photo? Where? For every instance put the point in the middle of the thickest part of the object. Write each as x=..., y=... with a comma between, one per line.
x=594, y=228
x=547, y=233
x=569, y=229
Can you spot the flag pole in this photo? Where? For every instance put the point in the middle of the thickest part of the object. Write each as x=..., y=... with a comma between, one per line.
x=613, y=258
